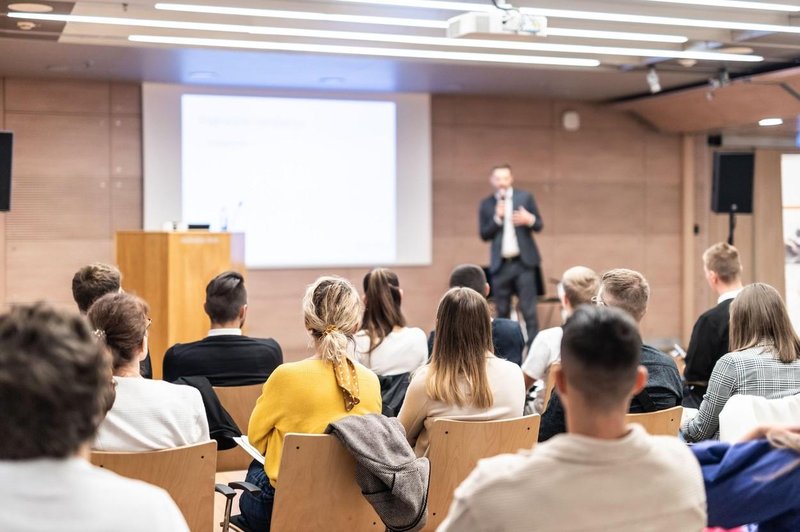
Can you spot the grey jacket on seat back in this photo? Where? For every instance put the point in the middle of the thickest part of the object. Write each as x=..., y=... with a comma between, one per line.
x=391, y=477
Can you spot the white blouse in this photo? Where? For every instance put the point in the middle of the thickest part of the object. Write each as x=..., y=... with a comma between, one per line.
x=402, y=351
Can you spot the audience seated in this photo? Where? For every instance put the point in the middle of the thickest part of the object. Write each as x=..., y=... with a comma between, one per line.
x=577, y=287
x=464, y=380
x=55, y=387
x=306, y=396
x=763, y=360
x=384, y=344
x=147, y=414
x=506, y=334
x=226, y=357
x=629, y=291
x=709, y=339
x=603, y=474
x=92, y=282
x=755, y=482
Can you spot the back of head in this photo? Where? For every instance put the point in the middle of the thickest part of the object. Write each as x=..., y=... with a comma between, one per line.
x=120, y=321
x=580, y=285
x=225, y=297
x=463, y=339
x=600, y=353
x=92, y=282
x=625, y=289
x=758, y=316
x=723, y=259
x=469, y=276
x=331, y=308
x=382, y=305
x=55, y=383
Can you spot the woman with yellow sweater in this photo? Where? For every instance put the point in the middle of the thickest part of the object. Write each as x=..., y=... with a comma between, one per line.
x=304, y=397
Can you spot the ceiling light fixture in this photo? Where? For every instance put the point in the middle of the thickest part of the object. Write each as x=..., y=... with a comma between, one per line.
x=367, y=51
x=653, y=81
x=590, y=15
x=407, y=22
x=766, y=122
x=736, y=4
x=30, y=7
x=398, y=39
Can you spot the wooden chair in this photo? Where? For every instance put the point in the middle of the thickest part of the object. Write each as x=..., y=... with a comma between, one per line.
x=186, y=473
x=317, y=488
x=239, y=401
x=551, y=383
x=661, y=423
x=456, y=447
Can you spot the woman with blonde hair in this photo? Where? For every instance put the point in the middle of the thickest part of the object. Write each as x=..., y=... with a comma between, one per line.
x=385, y=344
x=306, y=396
x=763, y=360
x=464, y=381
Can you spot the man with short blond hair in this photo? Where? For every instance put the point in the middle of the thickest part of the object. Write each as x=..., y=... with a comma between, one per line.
x=709, y=341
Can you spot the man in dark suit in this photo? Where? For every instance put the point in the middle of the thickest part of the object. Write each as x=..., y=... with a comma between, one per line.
x=507, y=220
x=709, y=339
x=226, y=357
x=506, y=334
x=92, y=282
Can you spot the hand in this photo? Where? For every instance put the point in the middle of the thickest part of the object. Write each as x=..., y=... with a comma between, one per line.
x=523, y=218
x=500, y=209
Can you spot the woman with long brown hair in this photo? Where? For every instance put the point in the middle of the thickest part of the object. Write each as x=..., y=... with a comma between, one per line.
x=385, y=344
x=464, y=380
x=764, y=358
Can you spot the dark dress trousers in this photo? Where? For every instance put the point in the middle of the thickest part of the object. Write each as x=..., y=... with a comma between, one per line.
x=513, y=275
x=708, y=343
x=227, y=360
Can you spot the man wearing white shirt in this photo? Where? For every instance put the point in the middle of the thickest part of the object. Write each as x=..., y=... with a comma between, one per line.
x=507, y=220
x=55, y=388
x=709, y=339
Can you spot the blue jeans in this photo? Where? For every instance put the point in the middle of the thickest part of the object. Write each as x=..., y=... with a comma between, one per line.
x=257, y=510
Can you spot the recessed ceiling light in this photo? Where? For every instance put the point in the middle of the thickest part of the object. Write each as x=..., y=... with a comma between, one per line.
x=30, y=7
x=736, y=50
x=765, y=122
x=687, y=63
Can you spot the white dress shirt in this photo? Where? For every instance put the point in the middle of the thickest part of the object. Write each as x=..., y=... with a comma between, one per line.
x=225, y=332
x=731, y=294
x=510, y=247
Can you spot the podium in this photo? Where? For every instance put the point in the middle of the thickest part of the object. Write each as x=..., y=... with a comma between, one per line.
x=170, y=270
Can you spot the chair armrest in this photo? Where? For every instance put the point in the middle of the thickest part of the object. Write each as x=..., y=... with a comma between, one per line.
x=252, y=489
x=228, y=492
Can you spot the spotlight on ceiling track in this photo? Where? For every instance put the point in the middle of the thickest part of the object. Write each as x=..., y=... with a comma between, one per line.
x=653, y=81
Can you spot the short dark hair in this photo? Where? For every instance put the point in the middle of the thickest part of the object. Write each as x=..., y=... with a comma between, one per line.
x=600, y=353
x=120, y=321
x=55, y=383
x=469, y=276
x=504, y=166
x=92, y=282
x=225, y=297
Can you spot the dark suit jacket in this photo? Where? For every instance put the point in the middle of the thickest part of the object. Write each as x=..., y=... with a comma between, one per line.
x=708, y=343
x=227, y=360
x=491, y=232
x=506, y=337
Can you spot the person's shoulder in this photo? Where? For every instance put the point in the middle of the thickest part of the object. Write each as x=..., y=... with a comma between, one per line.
x=504, y=367
x=416, y=334
x=504, y=324
x=553, y=334
x=502, y=470
x=672, y=453
x=270, y=343
x=651, y=355
x=180, y=348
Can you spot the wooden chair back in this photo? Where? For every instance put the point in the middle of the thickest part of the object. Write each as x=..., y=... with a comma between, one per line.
x=239, y=401
x=661, y=423
x=551, y=383
x=317, y=488
x=186, y=473
x=456, y=446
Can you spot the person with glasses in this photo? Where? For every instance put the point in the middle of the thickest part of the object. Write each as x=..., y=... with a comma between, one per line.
x=629, y=291
x=147, y=414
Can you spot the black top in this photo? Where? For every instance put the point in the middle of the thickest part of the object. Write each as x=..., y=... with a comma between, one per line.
x=490, y=231
x=664, y=388
x=506, y=337
x=227, y=360
x=708, y=343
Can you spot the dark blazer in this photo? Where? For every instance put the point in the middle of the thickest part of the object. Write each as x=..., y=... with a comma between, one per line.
x=228, y=360
x=506, y=337
x=708, y=343
x=491, y=232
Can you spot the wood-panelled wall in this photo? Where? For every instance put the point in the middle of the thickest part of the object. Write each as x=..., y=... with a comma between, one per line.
x=609, y=194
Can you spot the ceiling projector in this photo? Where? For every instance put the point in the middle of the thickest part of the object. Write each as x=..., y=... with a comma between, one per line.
x=502, y=22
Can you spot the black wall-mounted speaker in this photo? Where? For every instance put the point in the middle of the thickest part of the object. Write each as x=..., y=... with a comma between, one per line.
x=732, y=189
x=6, y=144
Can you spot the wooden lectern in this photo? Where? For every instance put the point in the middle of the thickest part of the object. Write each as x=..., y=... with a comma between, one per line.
x=170, y=270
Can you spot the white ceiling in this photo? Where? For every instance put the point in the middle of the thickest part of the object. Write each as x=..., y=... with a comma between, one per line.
x=104, y=51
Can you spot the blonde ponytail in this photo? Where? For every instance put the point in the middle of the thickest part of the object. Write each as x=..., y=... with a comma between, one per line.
x=331, y=309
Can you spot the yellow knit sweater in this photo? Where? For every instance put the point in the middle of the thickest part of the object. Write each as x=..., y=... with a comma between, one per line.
x=303, y=397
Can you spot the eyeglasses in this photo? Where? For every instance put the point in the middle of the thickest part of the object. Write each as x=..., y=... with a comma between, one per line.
x=597, y=300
